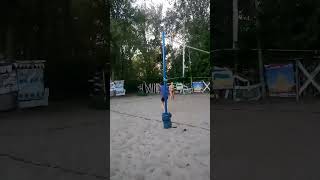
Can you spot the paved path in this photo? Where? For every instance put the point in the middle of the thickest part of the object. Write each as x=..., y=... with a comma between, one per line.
x=267, y=141
x=64, y=141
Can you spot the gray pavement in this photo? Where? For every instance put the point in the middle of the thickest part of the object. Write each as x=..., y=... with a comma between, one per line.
x=63, y=141
x=267, y=141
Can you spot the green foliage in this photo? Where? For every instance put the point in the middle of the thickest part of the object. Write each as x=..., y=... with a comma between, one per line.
x=290, y=24
x=136, y=39
x=285, y=24
x=196, y=16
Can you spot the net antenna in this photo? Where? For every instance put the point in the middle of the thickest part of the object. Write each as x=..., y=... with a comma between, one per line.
x=189, y=48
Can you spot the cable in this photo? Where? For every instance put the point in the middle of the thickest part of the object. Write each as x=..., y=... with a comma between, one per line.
x=149, y=119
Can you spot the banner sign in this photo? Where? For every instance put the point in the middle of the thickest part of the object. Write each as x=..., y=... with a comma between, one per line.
x=30, y=84
x=197, y=86
x=280, y=80
x=222, y=78
x=151, y=88
x=8, y=82
x=119, y=88
x=111, y=88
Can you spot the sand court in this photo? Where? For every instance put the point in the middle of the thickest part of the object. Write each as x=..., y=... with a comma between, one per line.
x=142, y=149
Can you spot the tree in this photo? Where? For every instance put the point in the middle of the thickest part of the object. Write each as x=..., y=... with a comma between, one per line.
x=192, y=19
x=135, y=52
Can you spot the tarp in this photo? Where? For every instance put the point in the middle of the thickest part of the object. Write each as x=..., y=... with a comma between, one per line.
x=280, y=80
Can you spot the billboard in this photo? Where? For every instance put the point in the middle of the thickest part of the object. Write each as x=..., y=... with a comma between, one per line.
x=197, y=86
x=8, y=79
x=119, y=88
x=280, y=80
x=222, y=78
x=30, y=84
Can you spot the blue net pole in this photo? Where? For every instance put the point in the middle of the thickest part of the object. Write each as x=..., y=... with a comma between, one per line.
x=165, y=93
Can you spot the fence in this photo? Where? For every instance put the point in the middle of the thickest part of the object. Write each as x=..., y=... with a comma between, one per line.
x=151, y=88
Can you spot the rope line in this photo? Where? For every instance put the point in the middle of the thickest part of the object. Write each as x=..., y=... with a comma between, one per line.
x=150, y=119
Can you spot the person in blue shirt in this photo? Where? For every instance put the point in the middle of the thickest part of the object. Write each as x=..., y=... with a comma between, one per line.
x=163, y=95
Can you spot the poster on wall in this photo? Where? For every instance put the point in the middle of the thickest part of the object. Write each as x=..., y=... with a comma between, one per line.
x=280, y=80
x=8, y=81
x=119, y=88
x=197, y=86
x=222, y=78
x=30, y=84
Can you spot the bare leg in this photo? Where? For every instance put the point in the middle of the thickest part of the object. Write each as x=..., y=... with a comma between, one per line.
x=162, y=106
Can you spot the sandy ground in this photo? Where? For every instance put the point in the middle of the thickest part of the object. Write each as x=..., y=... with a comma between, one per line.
x=64, y=141
x=142, y=150
x=267, y=141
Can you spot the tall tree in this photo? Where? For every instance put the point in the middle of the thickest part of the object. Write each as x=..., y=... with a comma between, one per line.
x=191, y=20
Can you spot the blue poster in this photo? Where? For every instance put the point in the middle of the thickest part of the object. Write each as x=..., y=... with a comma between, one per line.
x=280, y=80
x=197, y=86
x=222, y=78
x=119, y=88
x=30, y=84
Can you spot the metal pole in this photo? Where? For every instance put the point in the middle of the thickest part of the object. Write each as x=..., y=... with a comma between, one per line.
x=190, y=66
x=164, y=72
x=297, y=79
x=183, y=60
x=235, y=33
x=261, y=68
x=184, y=47
x=104, y=85
x=235, y=23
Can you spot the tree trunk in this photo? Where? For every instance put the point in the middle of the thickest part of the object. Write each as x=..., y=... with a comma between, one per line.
x=261, y=68
x=235, y=32
x=10, y=42
x=1, y=43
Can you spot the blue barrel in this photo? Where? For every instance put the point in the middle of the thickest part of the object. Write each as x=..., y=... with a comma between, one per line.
x=166, y=118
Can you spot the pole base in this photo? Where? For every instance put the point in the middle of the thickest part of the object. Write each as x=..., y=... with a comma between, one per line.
x=166, y=118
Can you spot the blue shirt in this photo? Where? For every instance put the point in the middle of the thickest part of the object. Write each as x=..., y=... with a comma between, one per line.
x=162, y=91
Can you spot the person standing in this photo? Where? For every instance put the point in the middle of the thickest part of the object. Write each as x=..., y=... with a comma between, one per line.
x=171, y=90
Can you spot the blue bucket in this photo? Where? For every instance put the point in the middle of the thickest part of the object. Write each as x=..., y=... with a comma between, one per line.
x=166, y=118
